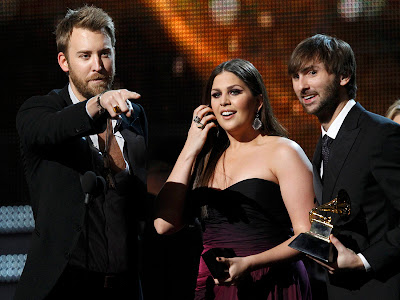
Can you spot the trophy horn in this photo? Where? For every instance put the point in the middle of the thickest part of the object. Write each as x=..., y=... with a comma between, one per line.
x=340, y=205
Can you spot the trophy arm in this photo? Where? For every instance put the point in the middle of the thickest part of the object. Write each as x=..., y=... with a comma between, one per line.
x=314, y=216
x=339, y=209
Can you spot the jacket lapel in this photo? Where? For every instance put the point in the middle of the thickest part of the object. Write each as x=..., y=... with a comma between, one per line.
x=65, y=95
x=340, y=150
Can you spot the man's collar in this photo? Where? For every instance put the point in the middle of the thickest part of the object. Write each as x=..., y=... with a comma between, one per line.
x=74, y=99
x=337, y=123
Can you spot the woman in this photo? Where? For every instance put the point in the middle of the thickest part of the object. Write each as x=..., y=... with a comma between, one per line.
x=253, y=186
x=393, y=112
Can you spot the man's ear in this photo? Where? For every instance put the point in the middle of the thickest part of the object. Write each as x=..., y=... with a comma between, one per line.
x=344, y=79
x=63, y=62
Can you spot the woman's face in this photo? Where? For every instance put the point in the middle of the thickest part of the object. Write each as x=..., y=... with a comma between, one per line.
x=233, y=103
x=397, y=118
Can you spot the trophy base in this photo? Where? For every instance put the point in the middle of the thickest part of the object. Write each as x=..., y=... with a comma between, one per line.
x=315, y=247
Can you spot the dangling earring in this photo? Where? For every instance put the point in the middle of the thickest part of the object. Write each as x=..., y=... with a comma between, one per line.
x=257, y=122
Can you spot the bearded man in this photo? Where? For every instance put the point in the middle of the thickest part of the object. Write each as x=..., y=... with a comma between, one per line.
x=359, y=152
x=84, y=152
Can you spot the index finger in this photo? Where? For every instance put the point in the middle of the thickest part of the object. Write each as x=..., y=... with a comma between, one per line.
x=198, y=109
x=130, y=95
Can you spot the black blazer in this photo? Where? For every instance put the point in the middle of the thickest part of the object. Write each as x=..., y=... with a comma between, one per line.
x=55, y=151
x=365, y=161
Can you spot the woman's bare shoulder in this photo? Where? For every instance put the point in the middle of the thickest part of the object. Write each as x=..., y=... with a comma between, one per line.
x=283, y=150
x=278, y=143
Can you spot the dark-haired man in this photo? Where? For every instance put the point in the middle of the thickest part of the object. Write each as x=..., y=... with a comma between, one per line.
x=84, y=244
x=359, y=152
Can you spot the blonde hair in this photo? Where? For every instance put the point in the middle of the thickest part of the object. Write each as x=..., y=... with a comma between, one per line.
x=86, y=17
x=393, y=110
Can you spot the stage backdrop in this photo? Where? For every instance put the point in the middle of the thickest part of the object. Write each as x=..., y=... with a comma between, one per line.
x=166, y=50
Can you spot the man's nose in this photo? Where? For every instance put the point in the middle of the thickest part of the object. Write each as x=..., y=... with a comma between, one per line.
x=97, y=63
x=303, y=83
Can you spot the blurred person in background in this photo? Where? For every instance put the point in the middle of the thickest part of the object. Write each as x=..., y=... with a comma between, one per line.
x=393, y=112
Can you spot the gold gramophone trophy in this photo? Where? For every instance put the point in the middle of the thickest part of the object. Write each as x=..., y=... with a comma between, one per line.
x=316, y=242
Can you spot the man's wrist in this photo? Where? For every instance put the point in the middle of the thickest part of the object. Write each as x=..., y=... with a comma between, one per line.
x=94, y=108
x=367, y=266
x=101, y=108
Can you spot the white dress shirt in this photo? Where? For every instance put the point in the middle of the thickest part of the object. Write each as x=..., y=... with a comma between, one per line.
x=94, y=137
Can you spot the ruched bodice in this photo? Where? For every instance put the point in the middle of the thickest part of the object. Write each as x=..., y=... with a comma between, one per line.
x=250, y=217
x=251, y=212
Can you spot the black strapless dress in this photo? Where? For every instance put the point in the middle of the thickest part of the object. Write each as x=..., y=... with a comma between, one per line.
x=249, y=217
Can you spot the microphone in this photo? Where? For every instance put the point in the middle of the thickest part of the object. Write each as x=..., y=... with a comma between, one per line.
x=92, y=185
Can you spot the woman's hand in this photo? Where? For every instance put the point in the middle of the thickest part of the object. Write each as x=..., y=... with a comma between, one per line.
x=170, y=201
x=201, y=125
x=238, y=268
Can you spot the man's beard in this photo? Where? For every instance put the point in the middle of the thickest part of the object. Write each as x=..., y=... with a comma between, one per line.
x=87, y=91
x=329, y=103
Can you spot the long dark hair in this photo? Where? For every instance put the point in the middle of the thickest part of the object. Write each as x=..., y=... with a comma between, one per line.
x=216, y=144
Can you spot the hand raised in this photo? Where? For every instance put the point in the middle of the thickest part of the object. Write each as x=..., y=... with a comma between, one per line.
x=199, y=129
x=116, y=102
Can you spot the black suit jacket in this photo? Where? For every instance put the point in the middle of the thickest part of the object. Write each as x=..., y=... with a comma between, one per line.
x=365, y=161
x=55, y=151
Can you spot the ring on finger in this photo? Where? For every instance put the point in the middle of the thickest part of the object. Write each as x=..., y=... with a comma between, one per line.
x=117, y=109
x=200, y=125
x=197, y=120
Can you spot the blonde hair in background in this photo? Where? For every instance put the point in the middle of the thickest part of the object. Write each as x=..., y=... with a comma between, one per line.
x=393, y=110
